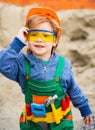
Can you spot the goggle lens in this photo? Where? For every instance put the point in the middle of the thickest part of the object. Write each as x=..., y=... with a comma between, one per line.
x=46, y=36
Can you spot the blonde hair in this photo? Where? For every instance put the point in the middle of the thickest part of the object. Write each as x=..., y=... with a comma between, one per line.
x=37, y=19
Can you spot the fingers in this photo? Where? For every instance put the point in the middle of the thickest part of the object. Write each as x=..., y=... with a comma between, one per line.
x=24, y=30
x=22, y=34
x=88, y=119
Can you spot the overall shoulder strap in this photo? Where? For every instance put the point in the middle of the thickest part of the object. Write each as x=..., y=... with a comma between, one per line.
x=60, y=67
x=27, y=67
x=27, y=73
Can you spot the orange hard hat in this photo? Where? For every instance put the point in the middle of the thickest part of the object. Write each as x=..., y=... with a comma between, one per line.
x=48, y=12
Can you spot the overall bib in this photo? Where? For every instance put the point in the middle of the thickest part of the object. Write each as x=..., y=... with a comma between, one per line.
x=47, y=102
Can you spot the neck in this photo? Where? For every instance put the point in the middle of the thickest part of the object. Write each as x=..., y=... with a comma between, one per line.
x=42, y=57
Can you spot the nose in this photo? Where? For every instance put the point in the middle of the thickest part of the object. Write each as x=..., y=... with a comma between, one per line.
x=39, y=39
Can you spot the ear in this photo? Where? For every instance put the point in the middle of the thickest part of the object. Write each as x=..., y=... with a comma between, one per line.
x=55, y=43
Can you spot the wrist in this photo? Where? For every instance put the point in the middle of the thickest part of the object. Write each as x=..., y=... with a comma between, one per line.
x=17, y=44
x=85, y=111
x=21, y=39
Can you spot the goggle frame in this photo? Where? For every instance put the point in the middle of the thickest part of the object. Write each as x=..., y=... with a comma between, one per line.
x=42, y=34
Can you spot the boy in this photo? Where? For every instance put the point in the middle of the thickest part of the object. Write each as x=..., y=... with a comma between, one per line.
x=45, y=77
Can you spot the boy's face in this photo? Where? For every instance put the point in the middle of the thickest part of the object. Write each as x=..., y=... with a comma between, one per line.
x=41, y=42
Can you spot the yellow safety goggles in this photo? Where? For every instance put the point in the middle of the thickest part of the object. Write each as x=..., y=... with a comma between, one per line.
x=46, y=36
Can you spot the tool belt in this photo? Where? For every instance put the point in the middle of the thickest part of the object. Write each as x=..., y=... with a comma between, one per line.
x=49, y=118
x=37, y=112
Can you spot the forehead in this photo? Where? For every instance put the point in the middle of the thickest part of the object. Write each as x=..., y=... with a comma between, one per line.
x=43, y=25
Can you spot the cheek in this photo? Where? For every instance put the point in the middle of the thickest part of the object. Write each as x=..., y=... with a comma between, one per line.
x=53, y=44
x=50, y=46
x=30, y=43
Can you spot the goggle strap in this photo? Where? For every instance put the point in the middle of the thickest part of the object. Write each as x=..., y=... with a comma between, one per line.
x=54, y=33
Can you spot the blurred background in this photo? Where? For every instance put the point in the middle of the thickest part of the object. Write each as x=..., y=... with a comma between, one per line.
x=57, y=5
x=77, y=44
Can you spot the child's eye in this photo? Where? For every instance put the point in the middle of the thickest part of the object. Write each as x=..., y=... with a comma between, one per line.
x=33, y=34
x=46, y=35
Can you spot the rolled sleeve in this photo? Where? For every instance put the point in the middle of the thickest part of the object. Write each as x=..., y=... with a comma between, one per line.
x=85, y=111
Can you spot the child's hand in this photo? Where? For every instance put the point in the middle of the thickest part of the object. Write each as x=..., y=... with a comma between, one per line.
x=88, y=120
x=22, y=34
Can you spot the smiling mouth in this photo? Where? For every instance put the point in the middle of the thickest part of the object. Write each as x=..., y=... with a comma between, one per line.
x=39, y=46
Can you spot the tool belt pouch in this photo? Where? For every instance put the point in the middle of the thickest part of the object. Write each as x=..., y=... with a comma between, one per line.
x=38, y=109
